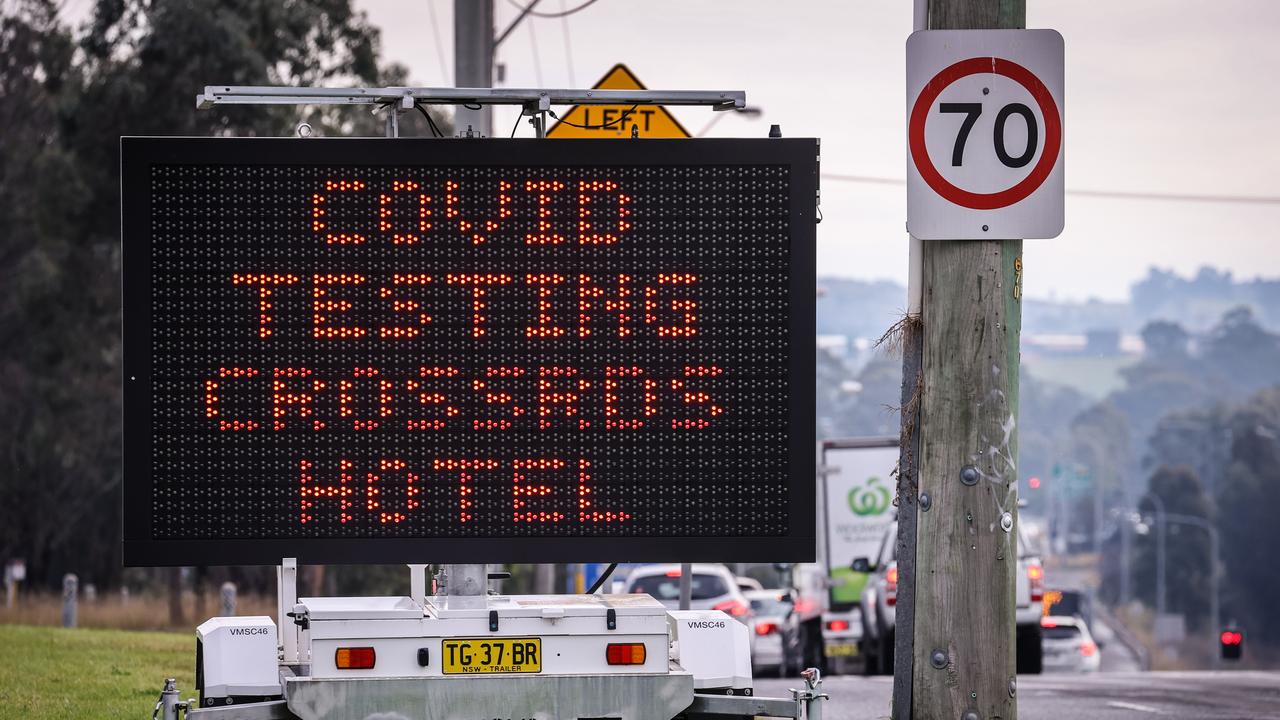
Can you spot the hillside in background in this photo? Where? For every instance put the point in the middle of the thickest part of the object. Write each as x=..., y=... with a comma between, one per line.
x=866, y=308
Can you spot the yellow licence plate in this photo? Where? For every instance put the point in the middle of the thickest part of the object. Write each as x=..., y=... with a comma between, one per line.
x=492, y=655
x=842, y=650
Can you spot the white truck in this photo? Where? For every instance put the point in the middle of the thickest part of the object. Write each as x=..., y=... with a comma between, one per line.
x=463, y=653
x=879, y=599
x=855, y=505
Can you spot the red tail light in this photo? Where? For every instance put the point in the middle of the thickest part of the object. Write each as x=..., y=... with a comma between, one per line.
x=838, y=625
x=1088, y=649
x=736, y=608
x=625, y=653
x=356, y=658
x=891, y=585
x=1035, y=576
x=766, y=628
x=1232, y=638
x=673, y=573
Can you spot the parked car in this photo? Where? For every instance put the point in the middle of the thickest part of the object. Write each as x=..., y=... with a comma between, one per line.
x=713, y=588
x=879, y=600
x=1068, y=646
x=777, y=632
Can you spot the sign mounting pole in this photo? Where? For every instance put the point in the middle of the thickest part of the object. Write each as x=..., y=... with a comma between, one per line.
x=966, y=553
x=473, y=61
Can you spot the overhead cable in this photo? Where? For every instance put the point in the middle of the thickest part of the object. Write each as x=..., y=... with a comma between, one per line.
x=568, y=46
x=435, y=32
x=1081, y=192
x=563, y=13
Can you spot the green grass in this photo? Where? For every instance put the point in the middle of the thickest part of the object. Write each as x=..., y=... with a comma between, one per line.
x=56, y=673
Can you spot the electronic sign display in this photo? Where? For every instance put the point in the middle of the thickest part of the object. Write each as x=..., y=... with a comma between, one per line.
x=416, y=350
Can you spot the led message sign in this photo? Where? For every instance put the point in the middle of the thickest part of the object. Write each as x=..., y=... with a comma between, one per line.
x=406, y=350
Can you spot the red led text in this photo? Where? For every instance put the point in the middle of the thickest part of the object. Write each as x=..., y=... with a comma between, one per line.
x=434, y=398
x=543, y=490
x=546, y=305
x=408, y=212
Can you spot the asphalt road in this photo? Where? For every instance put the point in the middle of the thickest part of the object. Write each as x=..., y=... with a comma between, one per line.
x=1099, y=696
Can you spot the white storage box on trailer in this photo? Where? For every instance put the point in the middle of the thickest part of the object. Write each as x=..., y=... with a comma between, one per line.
x=236, y=660
x=715, y=648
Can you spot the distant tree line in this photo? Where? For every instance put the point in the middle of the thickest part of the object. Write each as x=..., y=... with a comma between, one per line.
x=864, y=308
x=66, y=96
x=1198, y=301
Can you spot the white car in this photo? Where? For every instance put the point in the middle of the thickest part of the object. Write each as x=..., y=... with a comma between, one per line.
x=713, y=588
x=776, y=627
x=1068, y=646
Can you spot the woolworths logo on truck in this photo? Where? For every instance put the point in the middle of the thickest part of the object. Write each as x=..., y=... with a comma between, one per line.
x=870, y=499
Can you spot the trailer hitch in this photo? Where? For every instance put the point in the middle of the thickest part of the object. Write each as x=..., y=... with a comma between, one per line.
x=169, y=704
x=811, y=697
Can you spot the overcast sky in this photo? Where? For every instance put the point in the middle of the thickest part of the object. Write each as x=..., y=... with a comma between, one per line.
x=1176, y=96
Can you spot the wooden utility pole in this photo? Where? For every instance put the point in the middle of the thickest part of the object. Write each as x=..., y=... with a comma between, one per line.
x=962, y=662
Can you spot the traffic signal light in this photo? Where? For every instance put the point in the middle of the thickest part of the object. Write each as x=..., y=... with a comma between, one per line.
x=1232, y=643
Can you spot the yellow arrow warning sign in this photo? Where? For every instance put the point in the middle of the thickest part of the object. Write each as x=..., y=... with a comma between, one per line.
x=617, y=121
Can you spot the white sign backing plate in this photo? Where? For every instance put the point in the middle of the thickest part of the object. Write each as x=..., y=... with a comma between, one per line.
x=985, y=140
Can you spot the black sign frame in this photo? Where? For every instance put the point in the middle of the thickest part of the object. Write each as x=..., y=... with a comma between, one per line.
x=138, y=154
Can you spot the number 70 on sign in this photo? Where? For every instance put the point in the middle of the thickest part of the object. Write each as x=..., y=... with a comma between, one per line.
x=985, y=141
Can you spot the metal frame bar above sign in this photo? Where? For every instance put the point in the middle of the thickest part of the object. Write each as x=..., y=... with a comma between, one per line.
x=407, y=97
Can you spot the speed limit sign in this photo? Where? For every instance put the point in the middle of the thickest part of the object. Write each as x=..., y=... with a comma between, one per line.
x=985, y=134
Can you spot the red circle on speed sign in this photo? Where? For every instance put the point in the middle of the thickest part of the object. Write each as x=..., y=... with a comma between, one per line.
x=1052, y=133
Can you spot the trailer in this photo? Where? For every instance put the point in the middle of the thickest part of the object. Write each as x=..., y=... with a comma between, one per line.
x=475, y=350
x=461, y=652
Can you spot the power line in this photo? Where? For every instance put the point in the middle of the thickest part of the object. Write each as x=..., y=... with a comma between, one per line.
x=568, y=44
x=1109, y=194
x=537, y=59
x=435, y=31
x=866, y=179
x=1178, y=197
x=563, y=13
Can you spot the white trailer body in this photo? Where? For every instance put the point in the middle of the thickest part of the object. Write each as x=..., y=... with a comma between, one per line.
x=622, y=656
